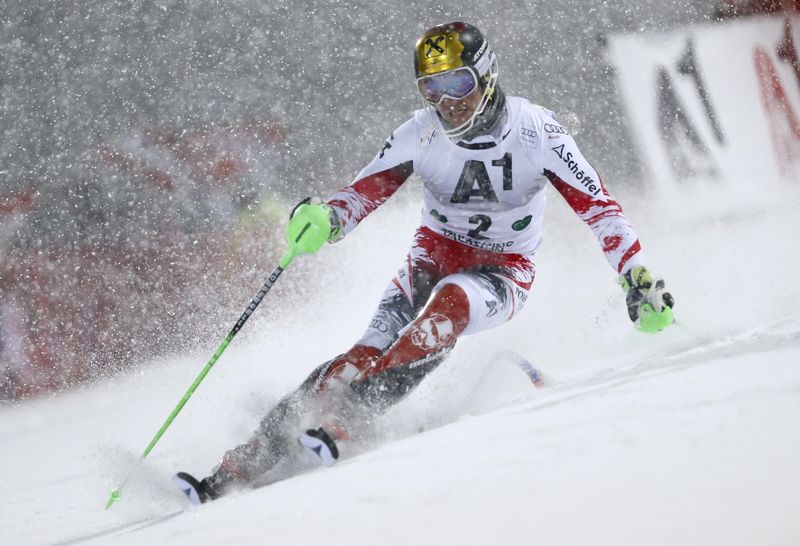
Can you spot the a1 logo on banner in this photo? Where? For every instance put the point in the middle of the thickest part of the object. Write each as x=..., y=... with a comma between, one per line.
x=689, y=154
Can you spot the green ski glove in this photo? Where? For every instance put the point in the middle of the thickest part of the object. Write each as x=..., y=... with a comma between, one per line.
x=649, y=304
x=310, y=226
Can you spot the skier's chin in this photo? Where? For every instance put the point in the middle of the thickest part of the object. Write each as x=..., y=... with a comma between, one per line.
x=457, y=119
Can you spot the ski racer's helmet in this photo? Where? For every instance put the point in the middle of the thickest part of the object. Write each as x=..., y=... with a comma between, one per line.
x=450, y=60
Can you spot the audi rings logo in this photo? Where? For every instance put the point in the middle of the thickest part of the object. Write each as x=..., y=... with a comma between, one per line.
x=528, y=135
x=557, y=129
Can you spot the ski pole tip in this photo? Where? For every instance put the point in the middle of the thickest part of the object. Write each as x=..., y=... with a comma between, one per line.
x=113, y=497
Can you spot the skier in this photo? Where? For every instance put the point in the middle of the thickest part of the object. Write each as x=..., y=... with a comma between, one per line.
x=485, y=160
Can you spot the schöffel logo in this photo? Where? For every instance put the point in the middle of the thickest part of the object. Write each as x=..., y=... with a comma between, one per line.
x=557, y=129
x=587, y=181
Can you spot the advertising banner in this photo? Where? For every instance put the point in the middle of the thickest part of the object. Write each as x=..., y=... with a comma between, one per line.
x=714, y=106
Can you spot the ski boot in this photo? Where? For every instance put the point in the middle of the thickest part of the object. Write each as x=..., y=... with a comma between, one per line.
x=321, y=444
x=198, y=492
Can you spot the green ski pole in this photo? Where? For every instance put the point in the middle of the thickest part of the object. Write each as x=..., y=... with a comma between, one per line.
x=294, y=250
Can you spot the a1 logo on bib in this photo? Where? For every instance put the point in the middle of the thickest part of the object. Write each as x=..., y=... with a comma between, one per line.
x=433, y=332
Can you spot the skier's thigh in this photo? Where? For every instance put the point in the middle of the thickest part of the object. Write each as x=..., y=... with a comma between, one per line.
x=493, y=298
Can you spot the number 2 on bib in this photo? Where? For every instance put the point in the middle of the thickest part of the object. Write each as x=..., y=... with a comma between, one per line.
x=484, y=223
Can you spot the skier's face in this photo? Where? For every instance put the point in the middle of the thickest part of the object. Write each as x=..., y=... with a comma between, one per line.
x=458, y=112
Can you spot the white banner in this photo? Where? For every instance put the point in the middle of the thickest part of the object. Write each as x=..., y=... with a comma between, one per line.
x=714, y=104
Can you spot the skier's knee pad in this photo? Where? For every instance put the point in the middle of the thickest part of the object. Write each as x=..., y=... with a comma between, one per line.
x=493, y=299
x=450, y=300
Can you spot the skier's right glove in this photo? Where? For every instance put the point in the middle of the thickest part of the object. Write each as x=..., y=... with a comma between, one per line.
x=649, y=304
x=311, y=225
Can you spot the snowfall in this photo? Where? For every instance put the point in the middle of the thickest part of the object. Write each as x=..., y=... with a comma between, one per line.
x=690, y=436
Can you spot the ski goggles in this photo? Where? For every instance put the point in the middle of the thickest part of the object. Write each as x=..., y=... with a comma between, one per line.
x=453, y=84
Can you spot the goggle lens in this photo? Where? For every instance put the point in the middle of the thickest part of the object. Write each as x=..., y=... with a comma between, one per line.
x=455, y=84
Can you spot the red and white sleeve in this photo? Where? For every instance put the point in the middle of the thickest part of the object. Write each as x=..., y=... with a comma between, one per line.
x=379, y=180
x=581, y=186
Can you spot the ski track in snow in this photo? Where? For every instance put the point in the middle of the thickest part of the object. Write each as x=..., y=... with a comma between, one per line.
x=687, y=437
x=560, y=394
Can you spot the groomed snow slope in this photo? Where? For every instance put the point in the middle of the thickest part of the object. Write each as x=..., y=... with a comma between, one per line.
x=687, y=437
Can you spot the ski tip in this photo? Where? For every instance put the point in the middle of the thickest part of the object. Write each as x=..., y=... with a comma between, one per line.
x=536, y=378
x=533, y=373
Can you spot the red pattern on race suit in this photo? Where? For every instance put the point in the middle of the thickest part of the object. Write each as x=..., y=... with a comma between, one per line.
x=443, y=257
x=606, y=220
x=497, y=285
x=363, y=196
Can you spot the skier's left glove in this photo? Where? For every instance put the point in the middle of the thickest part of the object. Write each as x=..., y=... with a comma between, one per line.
x=649, y=304
x=311, y=225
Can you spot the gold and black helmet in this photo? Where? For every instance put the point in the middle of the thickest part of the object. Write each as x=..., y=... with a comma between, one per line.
x=449, y=46
x=450, y=62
